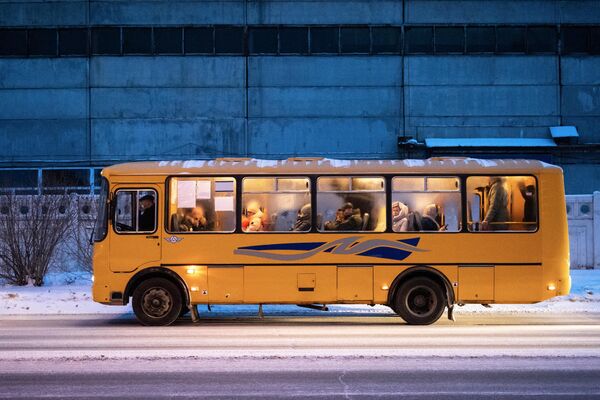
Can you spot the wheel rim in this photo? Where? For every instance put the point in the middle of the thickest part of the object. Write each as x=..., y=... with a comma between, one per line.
x=421, y=301
x=157, y=302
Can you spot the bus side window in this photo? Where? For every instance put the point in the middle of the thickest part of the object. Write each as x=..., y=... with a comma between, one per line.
x=203, y=204
x=351, y=203
x=426, y=203
x=135, y=211
x=276, y=204
x=507, y=203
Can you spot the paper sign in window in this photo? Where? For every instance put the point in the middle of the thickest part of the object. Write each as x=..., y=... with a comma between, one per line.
x=224, y=186
x=224, y=204
x=186, y=194
x=202, y=190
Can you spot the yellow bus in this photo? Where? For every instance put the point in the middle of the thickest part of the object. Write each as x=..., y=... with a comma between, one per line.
x=419, y=236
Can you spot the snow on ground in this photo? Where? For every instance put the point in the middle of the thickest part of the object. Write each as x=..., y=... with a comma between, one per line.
x=71, y=294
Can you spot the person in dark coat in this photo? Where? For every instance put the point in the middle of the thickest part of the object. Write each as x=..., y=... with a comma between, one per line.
x=303, y=221
x=347, y=219
x=147, y=214
x=530, y=208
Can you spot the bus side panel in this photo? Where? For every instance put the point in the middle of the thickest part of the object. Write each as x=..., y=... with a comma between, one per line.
x=226, y=284
x=518, y=284
x=555, y=250
x=290, y=284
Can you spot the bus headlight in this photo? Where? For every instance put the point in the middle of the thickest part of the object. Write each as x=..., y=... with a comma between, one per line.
x=551, y=286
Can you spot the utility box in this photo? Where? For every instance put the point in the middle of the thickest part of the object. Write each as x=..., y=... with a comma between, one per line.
x=476, y=284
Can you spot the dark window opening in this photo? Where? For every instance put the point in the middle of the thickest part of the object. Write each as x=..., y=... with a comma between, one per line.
x=324, y=40
x=386, y=40
x=42, y=42
x=73, y=42
x=13, y=42
x=449, y=40
x=137, y=41
x=574, y=39
x=418, y=40
x=168, y=40
x=355, y=40
x=481, y=39
x=541, y=39
x=293, y=40
x=262, y=40
x=229, y=40
x=106, y=40
x=69, y=180
x=18, y=179
x=595, y=40
x=199, y=41
x=511, y=39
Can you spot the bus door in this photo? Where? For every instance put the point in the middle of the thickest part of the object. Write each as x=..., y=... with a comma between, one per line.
x=135, y=239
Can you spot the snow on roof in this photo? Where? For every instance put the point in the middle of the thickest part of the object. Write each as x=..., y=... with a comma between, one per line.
x=563, y=131
x=320, y=165
x=489, y=142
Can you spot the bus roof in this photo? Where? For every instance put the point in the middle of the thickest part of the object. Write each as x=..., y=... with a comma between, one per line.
x=236, y=166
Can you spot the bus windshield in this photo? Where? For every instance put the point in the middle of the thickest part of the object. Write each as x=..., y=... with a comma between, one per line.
x=101, y=225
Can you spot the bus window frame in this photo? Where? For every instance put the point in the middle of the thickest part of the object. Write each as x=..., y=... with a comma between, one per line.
x=310, y=193
x=461, y=189
x=200, y=233
x=386, y=191
x=114, y=210
x=537, y=197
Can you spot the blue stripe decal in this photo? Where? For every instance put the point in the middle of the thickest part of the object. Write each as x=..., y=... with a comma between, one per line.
x=386, y=252
x=377, y=248
x=411, y=241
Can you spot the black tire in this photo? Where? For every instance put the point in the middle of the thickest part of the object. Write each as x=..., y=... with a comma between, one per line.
x=419, y=301
x=157, y=302
x=184, y=311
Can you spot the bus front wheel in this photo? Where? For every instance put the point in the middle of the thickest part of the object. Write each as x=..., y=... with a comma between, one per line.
x=419, y=301
x=157, y=302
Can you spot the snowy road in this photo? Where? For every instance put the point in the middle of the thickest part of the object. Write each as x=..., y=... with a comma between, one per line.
x=479, y=356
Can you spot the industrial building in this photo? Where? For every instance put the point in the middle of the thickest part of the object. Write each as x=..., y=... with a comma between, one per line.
x=85, y=84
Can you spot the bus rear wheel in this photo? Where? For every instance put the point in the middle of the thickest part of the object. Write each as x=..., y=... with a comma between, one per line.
x=420, y=301
x=157, y=302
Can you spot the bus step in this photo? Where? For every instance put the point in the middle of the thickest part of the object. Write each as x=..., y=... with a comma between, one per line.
x=320, y=307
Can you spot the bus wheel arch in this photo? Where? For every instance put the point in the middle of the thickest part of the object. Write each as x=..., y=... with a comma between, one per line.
x=171, y=283
x=427, y=279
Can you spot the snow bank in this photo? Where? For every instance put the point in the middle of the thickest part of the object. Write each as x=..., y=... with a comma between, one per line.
x=69, y=293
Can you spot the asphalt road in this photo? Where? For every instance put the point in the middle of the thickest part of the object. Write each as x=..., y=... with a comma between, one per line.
x=284, y=356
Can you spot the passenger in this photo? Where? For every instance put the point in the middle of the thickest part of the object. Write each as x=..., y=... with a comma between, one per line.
x=254, y=216
x=303, y=221
x=194, y=221
x=529, y=208
x=497, y=206
x=347, y=219
x=255, y=225
x=399, y=217
x=429, y=218
x=147, y=214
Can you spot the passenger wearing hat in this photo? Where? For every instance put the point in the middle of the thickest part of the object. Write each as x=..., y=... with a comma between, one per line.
x=399, y=217
x=147, y=214
x=348, y=219
x=253, y=221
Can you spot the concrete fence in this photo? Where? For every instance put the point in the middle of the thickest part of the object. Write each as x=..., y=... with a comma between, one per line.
x=583, y=213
